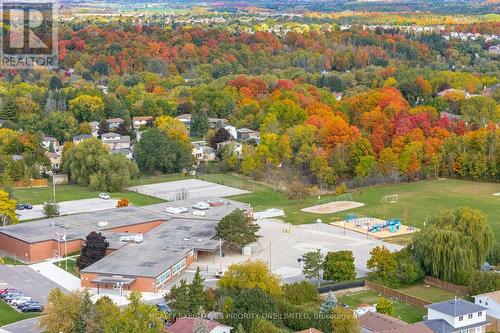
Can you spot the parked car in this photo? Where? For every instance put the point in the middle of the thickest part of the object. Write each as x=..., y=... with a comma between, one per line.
x=23, y=206
x=10, y=293
x=6, y=290
x=12, y=297
x=21, y=300
x=219, y=274
x=163, y=307
x=28, y=303
x=104, y=196
x=33, y=308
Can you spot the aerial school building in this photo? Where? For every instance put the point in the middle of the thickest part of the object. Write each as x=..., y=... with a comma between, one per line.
x=147, y=246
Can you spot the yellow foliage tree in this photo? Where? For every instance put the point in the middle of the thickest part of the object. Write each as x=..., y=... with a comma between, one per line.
x=249, y=275
x=173, y=128
x=7, y=209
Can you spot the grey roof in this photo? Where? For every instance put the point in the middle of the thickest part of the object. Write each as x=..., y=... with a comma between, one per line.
x=110, y=134
x=82, y=136
x=441, y=326
x=122, y=151
x=456, y=308
x=245, y=130
x=162, y=248
x=78, y=226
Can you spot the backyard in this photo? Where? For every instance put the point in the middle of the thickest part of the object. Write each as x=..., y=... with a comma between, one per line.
x=404, y=311
x=429, y=293
x=8, y=315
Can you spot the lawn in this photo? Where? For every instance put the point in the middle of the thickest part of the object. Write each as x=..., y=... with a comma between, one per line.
x=428, y=293
x=11, y=261
x=38, y=195
x=404, y=311
x=71, y=266
x=418, y=202
x=8, y=315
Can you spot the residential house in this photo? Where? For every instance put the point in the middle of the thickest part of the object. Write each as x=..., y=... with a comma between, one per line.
x=187, y=325
x=491, y=301
x=466, y=94
x=310, y=330
x=244, y=134
x=232, y=130
x=79, y=138
x=456, y=315
x=201, y=152
x=450, y=116
x=129, y=153
x=115, y=140
x=51, y=144
x=217, y=122
x=371, y=322
x=139, y=121
x=495, y=50
x=94, y=125
x=185, y=118
x=55, y=160
x=113, y=123
x=237, y=146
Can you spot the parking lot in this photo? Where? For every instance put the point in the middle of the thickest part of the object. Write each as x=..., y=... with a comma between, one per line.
x=30, y=282
x=186, y=189
x=69, y=207
x=283, y=244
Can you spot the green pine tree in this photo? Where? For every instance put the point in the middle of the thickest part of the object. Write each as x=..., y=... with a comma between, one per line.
x=8, y=111
x=328, y=304
x=197, y=298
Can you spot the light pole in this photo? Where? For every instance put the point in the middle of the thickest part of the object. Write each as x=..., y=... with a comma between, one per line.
x=26, y=257
x=52, y=173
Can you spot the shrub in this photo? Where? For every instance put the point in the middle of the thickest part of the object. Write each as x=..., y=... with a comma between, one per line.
x=300, y=292
x=122, y=203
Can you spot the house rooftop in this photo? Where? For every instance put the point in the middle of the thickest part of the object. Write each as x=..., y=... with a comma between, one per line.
x=82, y=137
x=186, y=116
x=412, y=328
x=375, y=322
x=441, y=326
x=142, y=118
x=245, y=130
x=494, y=295
x=186, y=325
x=115, y=120
x=458, y=307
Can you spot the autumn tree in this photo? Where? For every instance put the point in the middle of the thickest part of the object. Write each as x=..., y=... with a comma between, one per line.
x=385, y=306
x=250, y=275
x=93, y=250
x=339, y=266
x=87, y=108
x=237, y=229
x=383, y=264
x=7, y=209
x=312, y=265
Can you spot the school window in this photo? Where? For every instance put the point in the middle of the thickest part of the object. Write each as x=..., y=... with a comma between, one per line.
x=179, y=266
x=162, y=278
x=470, y=316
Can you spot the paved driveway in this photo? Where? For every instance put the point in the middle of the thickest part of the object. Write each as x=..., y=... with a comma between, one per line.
x=30, y=282
x=69, y=207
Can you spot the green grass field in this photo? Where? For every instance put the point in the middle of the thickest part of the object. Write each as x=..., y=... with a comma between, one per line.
x=71, y=266
x=39, y=195
x=11, y=261
x=418, y=202
x=428, y=293
x=8, y=315
x=404, y=311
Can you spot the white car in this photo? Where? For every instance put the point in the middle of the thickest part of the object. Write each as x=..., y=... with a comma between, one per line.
x=104, y=196
x=176, y=210
x=21, y=300
x=201, y=205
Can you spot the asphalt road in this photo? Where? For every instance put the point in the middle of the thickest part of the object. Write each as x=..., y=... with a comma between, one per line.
x=23, y=326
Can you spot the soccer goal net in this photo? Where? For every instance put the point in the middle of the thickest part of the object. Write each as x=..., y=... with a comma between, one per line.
x=390, y=198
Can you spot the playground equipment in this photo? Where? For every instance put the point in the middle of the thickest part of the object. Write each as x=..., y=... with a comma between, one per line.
x=351, y=217
x=342, y=197
x=393, y=225
x=390, y=198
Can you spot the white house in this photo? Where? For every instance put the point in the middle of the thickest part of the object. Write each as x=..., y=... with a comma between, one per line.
x=185, y=118
x=232, y=130
x=114, y=122
x=491, y=301
x=456, y=315
x=115, y=140
x=187, y=325
x=79, y=138
x=94, y=125
x=49, y=142
x=201, y=152
x=139, y=121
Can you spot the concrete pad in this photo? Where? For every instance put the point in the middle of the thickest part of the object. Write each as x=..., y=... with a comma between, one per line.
x=186, y=189
x=58, y=275
x=282, y=249
x=332, y=207
x=69, y=207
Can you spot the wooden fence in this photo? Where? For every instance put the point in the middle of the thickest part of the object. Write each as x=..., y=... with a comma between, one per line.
x=401, y=296
x=30, y=183
x=459, y=290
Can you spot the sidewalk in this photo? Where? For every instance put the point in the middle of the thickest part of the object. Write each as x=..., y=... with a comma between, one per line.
x=52, y=272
